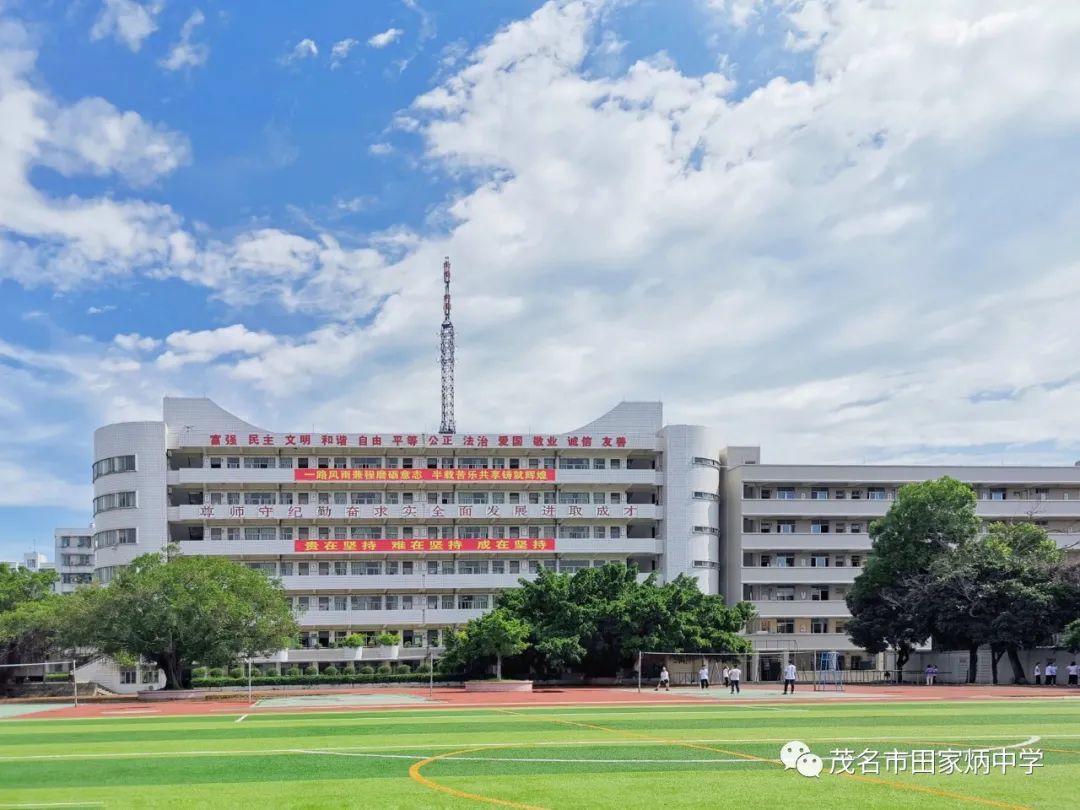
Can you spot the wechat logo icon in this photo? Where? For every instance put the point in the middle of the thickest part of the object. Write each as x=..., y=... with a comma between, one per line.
x=797, y=755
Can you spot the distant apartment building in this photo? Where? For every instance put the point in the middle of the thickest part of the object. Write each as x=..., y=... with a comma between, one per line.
x=74, y=555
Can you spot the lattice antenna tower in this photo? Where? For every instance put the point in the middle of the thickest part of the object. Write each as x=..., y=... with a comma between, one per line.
x=446, y=356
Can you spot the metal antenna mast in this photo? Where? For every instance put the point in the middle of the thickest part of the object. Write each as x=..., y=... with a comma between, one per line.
x=446, y=356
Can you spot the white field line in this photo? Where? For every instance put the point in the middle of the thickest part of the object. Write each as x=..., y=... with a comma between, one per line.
x=240, y=719
x=524, y=743
x=56, y=804
x=133, y=711
x=528, y=759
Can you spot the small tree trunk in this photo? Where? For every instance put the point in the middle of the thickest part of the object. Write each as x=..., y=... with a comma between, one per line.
x=973, y=664
x=1018, y=670
x=995, y=656
x=902, y=657
x=498, y=667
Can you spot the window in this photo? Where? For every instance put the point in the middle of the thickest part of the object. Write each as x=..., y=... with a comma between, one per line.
x=114, y=537
x=259, y=463
x=574, y=532
x=819, y=560
x=705, y=564
x=785, y=560
x=819, y=493
x=467, y=566
x=706, y=496
x=367, y=568
x=498, y=566
x=215, y=462
x=572, y=463
x=819, y=527
x=707, y=462
x=765, y=561
x=599, y=532
x=856, y=561
x=513, y=566
x=856, y=528
x=114, y=500
x=285, y=569
x=574, y=497
x=259, y=498
x=392, y=567
x=997, y=494
x=876, y=493
x=232, y=463
x=258, y=533
x=819, y=625
x=128, y=676
x=819, y=593
x=785, y=625
x=598, y=463
x=472, y=463
x=116, y=464
x=785, y=526
x=365, y=498
x=784, y=593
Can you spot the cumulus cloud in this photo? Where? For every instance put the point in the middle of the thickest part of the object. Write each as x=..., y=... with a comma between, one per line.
x=385, y=38
x=186, y=53
x=134, y=342
x=201, y=347
x=340, y=52
x=380, y=149
x=304, y=49
x=128, y=21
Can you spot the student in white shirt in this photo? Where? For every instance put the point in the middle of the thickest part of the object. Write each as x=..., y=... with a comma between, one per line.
x=1074, y=673
x=703, y=676
x=1051, y=674
x=725, y=674
x=789, y=678
x=1038, y=675
x=734, y=676
x=665, y=680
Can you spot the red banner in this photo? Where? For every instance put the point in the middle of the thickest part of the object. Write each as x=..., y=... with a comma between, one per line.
x=450, y=476
x=425, y=545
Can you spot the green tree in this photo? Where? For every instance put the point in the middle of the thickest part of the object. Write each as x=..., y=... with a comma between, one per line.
x=30, y=618
x=497, y=634
x=177, y=610
x=1072, y=636
x=926, y=521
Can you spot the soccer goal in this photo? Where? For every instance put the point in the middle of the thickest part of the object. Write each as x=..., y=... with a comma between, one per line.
x=685, y=668
x=828, y=677
x=42, y=672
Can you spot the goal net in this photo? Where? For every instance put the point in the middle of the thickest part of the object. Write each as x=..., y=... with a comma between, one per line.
x=38, y=676
x=828, y=676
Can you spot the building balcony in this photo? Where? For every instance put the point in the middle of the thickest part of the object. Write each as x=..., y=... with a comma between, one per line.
x=801, y=608
x=277, y=548
x=619, y=479
x=416, y=513
x=402, y=583
x=805, y=541
x=814, y=507
x=375, y=619
x=800, y=575
x=766, y=642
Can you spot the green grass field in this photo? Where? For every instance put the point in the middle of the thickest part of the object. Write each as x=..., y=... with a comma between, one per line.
x=555, y=757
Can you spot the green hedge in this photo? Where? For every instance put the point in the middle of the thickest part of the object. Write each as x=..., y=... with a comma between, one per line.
x=57, y=676
x=304, y=680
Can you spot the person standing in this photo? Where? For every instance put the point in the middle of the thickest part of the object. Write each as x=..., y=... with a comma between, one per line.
x=725, y=675
x=1074, y=673
x=1038, y=675
x=703, y=676
x=734, y=676
x=665, y=680
x=789, y=677
x=1051, y=674
x=929, y=674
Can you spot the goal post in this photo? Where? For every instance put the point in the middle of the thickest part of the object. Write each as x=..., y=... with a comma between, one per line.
x=38, y=670
x=828, y=676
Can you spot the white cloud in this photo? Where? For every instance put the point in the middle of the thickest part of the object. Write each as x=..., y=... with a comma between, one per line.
x=130, y=22
x=304, y=49
x=136, y=343
x=340, y=51
x=380, y=149
x=201, y=347
x=385, y=38
x=186, y=53
x=100, y=310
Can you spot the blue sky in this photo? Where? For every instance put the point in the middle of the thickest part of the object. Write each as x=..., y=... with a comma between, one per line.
x=839, y=229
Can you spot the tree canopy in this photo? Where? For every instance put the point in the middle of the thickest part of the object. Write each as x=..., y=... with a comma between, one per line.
x=934, y=572
x=178, y=610
x=597, y=620
x=30, y=619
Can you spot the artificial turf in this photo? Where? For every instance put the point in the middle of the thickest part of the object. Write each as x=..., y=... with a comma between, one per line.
x=617, y=757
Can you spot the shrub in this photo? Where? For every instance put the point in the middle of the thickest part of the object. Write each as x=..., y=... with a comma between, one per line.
x=367, y=669
x=312, y=669
x=200, y=672
x=237, y=672
x=423, y=668
x=331, y=671
x=349, y=669
x=217, y=672
x=384, y=669
x=294, y=672
x=387, y=639
x=354, y=640
x=404, y=669
x=53, y=677
x=270, y=671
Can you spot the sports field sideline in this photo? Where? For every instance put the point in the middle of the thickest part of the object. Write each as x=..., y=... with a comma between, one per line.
x=685, y=752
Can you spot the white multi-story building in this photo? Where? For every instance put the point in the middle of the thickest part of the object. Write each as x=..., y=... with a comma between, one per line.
x=411, y=533
x=414, y=533
x=74, y=558
x=796, y=535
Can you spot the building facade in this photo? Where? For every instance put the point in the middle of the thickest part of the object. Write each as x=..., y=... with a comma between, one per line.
x=408, y=533
x=416, y=533
x=797, y=535
x=74, y=554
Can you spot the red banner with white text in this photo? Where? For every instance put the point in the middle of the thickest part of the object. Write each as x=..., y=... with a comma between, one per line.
x=425, y=545
x=447, y=476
